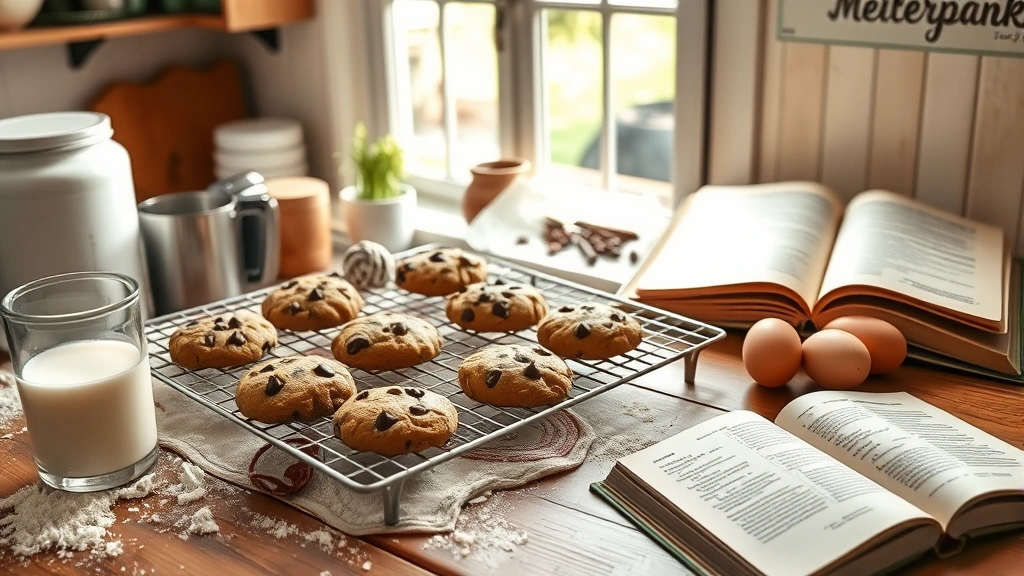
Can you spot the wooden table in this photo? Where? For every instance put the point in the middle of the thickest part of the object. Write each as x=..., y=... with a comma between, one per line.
x=570, y=530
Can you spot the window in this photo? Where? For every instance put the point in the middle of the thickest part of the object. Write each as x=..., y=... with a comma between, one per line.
x=608, y=93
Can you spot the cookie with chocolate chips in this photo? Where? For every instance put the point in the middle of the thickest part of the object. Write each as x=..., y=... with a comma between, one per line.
x=313, y=303
x=395, y=420
x=589, y=331
x=515, y=375
x=222, y=341
x=439, y=272
x=496, y=307
x=386, y=341
x=293, y=388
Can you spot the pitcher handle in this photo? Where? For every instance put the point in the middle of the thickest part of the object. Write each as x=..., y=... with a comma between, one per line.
x=258, y=229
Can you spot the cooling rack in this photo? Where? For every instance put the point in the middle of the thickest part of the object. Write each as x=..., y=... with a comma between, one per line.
x=667, y=338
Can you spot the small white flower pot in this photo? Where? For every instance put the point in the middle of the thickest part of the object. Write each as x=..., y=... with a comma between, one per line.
x=390, y=223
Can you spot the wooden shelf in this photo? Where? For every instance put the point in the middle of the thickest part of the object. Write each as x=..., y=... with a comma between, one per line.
x=238, y=16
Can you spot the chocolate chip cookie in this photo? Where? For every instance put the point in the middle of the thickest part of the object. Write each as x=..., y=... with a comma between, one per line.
x=440, y=272
x=386, y=341
x=515, y=375
x=496, y=307
x=589, y=331
x=395, y=420
x=293, y=388
x=313, y=303
x=222, y=341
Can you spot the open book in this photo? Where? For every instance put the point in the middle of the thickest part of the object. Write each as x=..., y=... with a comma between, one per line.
x=843, y=483
x=736, y=254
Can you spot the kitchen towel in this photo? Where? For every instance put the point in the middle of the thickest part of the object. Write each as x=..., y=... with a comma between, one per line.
x=431, y=500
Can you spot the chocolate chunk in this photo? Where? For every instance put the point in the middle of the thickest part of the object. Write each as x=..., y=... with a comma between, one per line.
x=363, y=395
x=315, y=294
x=508, y=294
x=415, y=392
x=324, y=370
x=220, y=327
x=274, y=385
x=267, y=347
x=463, y=289
x=514, y=287
x=236, y=338
x=399, y=329
x=582, y=331
x=532, y=372
x=394, y=391
x=463, y=261
x=384, y=421
x=500, y=309
x=356, y=345
x=267, y=368
x=617, y=317
x=408, y=444
x=492, y=378
x=633, y=257
x=334, y=275
x=522, y=240
x=437, y=257
x=291, y=284
x=566, y=309
x=499, y=282
x=209, y=339
x=468, y=315
x=192, y=323
x=234, y=323
x=484, y=297
x=541, y=352
x=400, y=276
x=419, y=410
x=294, y=308
x=218, y=320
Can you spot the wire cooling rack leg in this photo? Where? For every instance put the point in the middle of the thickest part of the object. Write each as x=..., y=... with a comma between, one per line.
x=392, y=495
x=690, y=366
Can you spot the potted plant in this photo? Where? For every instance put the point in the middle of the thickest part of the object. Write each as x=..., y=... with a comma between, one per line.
x=380, y=207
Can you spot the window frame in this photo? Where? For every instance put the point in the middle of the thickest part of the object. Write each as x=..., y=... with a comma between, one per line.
x=521, y=94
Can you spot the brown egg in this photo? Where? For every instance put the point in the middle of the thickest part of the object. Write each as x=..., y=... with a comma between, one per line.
x=887, y=346
x=771, y=352
x=836, y=359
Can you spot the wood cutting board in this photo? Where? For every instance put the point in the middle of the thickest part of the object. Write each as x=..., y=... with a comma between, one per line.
x=167, y=125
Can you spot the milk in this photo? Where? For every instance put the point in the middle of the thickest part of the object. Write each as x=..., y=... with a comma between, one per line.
x=89, y=407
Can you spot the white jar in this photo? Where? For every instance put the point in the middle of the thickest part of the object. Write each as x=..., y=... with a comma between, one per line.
x=67, y=201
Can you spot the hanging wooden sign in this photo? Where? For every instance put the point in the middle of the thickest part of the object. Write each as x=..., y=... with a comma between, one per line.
x=964, y=26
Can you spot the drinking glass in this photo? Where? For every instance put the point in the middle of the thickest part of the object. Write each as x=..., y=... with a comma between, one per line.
x=81, y=360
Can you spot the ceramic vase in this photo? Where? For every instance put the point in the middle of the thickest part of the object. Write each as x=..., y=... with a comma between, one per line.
x=390, y=222
x=489, y=180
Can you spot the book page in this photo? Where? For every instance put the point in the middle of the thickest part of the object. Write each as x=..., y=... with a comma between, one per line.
x=769, y=233
x=921, y=453
x=893, y=243
x=767, y=494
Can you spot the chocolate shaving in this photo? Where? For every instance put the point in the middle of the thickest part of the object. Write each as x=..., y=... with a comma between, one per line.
x=566, y=309
x=633, y=257
x=356, y=345
x=522, y=240
x=267, y=368
x=415, y=392
x=384, y=421
x=274, y=385
x=492, y=378
x=582, y=331
x=499, y=282
x=236, y=338
x=419, y=410
x=291, y=284
x=437, y=257
x=532, y=372
x=508, y=295
x=324, y=370
x=607, y=231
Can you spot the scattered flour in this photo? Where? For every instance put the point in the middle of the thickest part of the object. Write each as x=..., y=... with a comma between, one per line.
x=619, y=446
x=481, y=533
x=325, y=573
x=202, y=522
x=367, y=565
x=115, y=548
x=10, y=404
x=191, y=484
x=641, y=412
x=322, y=538
x=480, y=499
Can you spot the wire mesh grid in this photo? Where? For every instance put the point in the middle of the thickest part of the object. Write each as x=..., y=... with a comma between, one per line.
x=667, y=338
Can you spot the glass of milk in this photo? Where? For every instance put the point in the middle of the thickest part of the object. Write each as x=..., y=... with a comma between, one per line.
x=80, y=356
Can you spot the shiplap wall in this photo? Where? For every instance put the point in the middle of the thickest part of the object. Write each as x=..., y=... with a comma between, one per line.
x=947, y=129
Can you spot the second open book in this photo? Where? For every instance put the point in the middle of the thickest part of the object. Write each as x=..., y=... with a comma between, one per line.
x=734, y=255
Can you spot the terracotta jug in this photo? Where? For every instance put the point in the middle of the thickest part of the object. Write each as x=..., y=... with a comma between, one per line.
x=489, y=180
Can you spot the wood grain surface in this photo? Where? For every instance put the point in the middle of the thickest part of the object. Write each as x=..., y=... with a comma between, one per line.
x=570, y=530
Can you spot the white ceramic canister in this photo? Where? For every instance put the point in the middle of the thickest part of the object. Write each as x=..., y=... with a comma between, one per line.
x=67, y=201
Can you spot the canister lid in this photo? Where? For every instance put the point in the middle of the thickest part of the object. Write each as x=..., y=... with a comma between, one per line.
x=51, y=131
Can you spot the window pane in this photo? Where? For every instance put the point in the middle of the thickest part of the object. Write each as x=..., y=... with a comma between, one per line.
x=573, y=84
x=473, y=83
x=421, y=106
x=643, y=52
x=646, y=3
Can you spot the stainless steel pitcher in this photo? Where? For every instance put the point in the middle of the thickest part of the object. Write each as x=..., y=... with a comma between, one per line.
x=210, y=245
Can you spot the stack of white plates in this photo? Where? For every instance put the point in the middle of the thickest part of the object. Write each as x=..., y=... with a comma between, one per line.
x=271, y=146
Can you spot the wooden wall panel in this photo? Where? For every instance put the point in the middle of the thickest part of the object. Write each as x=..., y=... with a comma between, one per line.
x=847, y=137
x=771, y=89
x=951, y=85
x=800, y=112
x=899, y=76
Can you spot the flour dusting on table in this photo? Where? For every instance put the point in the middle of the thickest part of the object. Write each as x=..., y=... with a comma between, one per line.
x=481, y=533
x=10, y=403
